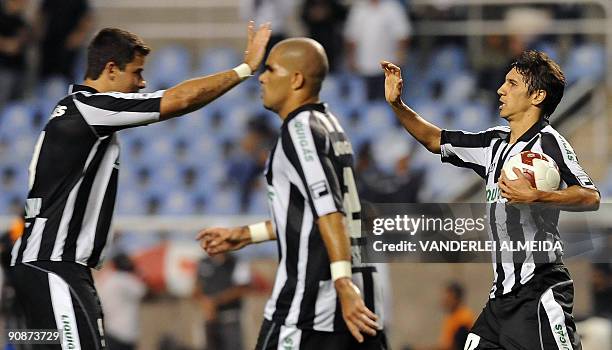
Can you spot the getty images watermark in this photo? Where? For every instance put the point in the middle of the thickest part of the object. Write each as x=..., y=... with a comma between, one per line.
x=480, y=233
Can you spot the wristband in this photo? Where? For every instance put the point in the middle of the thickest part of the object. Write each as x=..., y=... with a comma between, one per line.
x=259, y=232
x=244, y=71
x=340, y=269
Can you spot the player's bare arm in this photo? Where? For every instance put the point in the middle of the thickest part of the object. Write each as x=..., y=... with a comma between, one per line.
x=573, y=198
x=425, y=132
x=359, y=319
x=217, y=240
x=193, y=94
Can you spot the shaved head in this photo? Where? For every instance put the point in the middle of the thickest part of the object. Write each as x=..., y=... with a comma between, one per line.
x=306, y=56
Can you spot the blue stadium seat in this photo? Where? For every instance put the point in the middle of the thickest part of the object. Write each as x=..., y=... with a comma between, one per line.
x=259, y=203
x=586, y=62
x=224, y=202
x=130, y=201
x=446, y=60
x=176, y=202
x=356, y=89
x=549, y=48
x=472, y=116
x=54, y=88
x=330, y=91
x=17, y=119
x=169, y=66
x=432, y=111
x=458, y=87
x=213, y=60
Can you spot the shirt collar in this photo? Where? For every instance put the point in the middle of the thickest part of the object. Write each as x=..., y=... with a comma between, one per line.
x=532, y=131
x=76, y=88
x=320, y=107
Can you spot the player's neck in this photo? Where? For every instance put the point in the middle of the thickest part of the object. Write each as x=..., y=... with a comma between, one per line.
x=295, y=103
x=520, y=125
x=98, y=84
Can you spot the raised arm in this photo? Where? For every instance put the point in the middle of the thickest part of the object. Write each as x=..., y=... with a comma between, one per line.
x=193, y=94
x=358, y=318
x=425, y=132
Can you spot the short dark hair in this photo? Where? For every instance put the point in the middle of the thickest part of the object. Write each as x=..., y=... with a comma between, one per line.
x=113, y=45
x=542, y=73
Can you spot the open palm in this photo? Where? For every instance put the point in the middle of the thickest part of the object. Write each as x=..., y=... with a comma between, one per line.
x=393, y=82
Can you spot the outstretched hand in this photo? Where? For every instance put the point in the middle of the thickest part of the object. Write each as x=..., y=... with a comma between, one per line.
x=257, y=41
x=217, y=240
x=393, y=82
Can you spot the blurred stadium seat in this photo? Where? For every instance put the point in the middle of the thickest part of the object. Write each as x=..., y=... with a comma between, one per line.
x=168, y=66
x=587, y=61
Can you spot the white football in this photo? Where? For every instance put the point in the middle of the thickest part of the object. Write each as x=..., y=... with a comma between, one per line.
x=540, y=169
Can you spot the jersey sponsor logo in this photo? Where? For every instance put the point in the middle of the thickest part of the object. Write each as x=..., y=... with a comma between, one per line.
x=319, y=189
x=58, y=111
x=68, y=332
x=270, y=193
x=561, y=336
x=569, y=152
x=288, y=344
x=493, y=194
x=303, y=141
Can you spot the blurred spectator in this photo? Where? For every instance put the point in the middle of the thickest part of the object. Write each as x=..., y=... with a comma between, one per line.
x=376, y=186
x=223, y=281
x=457, y=323
x=601, y=282
x=10, y=310
x=491, y=67
x=13, y=36
x=324, y=20
x=277, y=12
x=246, y=166
x=63, y=26
x=121, y=292
x=376, y=30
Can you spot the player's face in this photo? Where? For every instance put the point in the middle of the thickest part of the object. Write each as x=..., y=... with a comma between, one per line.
x=275, y=83
x=513, y=96
x=130, y=79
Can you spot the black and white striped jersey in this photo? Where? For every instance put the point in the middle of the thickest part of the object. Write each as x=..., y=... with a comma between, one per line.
x=486, y=152
x=310, y=174
x=73, y=175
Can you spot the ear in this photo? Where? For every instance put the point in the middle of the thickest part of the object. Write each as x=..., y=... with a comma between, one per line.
x=111, y=69
x=297, y=81
x=538, y=97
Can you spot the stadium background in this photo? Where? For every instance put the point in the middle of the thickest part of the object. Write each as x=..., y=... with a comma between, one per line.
x=192, y=172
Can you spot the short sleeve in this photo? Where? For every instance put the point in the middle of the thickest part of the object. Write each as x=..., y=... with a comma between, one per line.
x=468, y=150
x=110, y=112
x=307, y=146
x=557, y=147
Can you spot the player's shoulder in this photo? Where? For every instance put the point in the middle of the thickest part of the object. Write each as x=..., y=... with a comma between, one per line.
x=499, y=129
x=308, y=120
x=304, y=129
x=550, y=134
x=551, y=138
